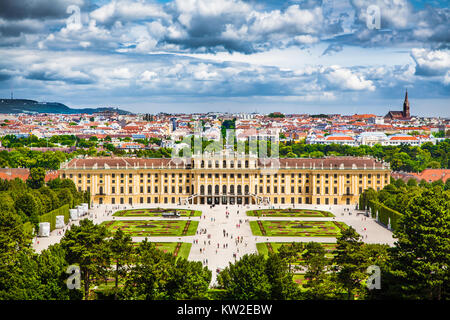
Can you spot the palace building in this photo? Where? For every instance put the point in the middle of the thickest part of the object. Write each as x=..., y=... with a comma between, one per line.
x=235, y=179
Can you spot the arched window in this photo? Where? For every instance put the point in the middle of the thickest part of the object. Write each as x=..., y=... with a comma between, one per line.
x=224, y=189
x=217, y=163
x=202, y=165
x=239, y=189
x=246, y=188
x=210, y=189
x=232, y=189
x=209, y=164
x=101, y=190
x=217, y=189
x=224, y=164
x=202, y=189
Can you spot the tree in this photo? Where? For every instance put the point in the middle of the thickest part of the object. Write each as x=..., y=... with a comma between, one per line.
x=121, y=248
x=291, y=253
x=447, y=184
x=412, y=182
x=28, y=204
x=246, y=279
x=188, y=280
x=148, y=277
x=282, y=285
x=14, y=249
x=317, y=265
x=366, y=197
x=349, y=261
x=85, y=246
x=51, y=269
x=36, y=178
x=65, y=197
x=421, y=256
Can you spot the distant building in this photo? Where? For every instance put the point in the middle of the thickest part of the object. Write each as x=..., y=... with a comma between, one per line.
x=337, y=138
x=23, y=173
x=429, y=175
x=372, y=138
x=400, y=115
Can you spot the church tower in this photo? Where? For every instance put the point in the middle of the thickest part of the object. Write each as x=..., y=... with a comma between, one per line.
x=406, y=106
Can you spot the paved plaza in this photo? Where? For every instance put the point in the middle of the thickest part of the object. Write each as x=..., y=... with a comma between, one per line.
x=216, y=242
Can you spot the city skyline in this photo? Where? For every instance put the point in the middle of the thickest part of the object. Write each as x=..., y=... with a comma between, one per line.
x=230, y=55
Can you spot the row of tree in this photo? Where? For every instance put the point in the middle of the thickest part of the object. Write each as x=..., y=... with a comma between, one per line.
x=32, y=198
x=139, y=272
x=397, y=194
x=401, y=158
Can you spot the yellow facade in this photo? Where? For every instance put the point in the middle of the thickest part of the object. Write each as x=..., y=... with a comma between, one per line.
x=228, y=181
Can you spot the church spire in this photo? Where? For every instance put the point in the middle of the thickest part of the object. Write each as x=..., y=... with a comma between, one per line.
x=406, y=106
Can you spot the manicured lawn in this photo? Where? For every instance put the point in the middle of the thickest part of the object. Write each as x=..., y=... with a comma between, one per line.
x=154, y=228
x=297, y=228
x=299, y=278
x=288, y=213
x=266, y=247
x=179, y=249
x=156, y=212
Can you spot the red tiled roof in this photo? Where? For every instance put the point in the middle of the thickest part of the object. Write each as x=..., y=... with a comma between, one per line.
x=339, y=138
x=12, y=173
x=431, y=175
x=23, y=173
x=403, y=138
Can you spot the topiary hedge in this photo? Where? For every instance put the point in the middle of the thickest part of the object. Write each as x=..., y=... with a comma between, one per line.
x=51, y=216
x=384, y=213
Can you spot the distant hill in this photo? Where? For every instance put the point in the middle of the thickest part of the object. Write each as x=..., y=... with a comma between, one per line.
x=31, y=106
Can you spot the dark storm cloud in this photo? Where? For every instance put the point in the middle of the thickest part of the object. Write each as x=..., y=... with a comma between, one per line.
x=54, y=75
x=35, y=9
x=16, y=28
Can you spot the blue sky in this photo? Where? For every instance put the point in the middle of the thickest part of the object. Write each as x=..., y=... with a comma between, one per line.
x=305, y=56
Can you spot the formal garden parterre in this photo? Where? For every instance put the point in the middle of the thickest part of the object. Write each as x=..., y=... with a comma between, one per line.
x=154, y=228
x=178, y=249
x=272, y=247
x=156, y=212
x=297, y=228
x=289, y=212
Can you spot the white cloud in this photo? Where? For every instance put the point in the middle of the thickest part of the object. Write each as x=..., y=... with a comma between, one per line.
x=347, y=80
x=431, y=63
x=305, y=39
x=148, y=75
x=127, y=10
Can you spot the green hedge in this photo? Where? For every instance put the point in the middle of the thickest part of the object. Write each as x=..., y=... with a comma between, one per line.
x=384, y=213
x=28, y=227
x=51, y=216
